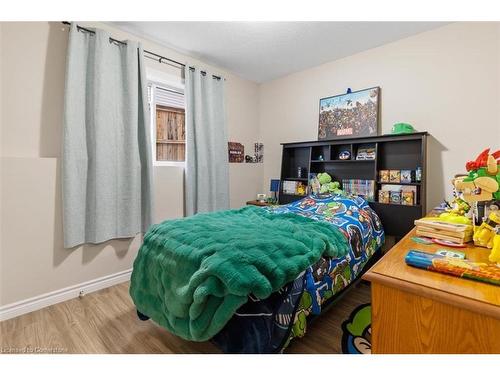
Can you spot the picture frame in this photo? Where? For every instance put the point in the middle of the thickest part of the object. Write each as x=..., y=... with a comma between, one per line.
x=407, y=198
x=406, y=176
x=236, y=152
x=384, y=196
x=351, y=115
x=384, y=175
x=395, y=176
x=395, y=197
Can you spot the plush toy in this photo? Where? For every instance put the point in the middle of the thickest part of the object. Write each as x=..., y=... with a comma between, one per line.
x=324, y=178
x=331, y=187
x=327, y=186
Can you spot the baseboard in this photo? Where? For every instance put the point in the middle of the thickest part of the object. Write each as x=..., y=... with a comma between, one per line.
x=39, y=302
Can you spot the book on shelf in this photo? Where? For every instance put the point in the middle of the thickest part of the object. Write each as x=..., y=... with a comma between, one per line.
x=364, y=188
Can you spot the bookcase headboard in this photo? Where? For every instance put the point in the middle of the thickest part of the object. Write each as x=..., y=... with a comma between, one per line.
x=391, y=152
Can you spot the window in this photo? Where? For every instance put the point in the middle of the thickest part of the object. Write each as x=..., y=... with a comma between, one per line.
x=167, y=108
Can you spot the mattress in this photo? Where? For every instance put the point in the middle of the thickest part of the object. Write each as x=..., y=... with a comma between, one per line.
x=269, y=325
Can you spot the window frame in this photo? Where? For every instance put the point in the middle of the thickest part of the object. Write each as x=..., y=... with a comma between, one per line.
x=171, y=82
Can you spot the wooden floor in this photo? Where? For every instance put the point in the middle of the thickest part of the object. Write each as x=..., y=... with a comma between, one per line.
x=106, y=322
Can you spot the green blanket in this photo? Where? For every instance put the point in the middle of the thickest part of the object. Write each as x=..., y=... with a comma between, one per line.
x=192, y=274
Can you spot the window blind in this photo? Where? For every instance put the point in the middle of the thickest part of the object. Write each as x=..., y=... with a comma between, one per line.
x=166, y=97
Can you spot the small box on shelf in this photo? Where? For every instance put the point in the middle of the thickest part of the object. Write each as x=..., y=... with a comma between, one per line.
x=398, y=194
x=383, y=175
x=406, y=176
x=383, y=196
x=366, y=152
x=407, y=198
x=395, y=197
x=395, y=175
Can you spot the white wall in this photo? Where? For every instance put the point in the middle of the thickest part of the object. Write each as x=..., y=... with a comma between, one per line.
x=32, y=258
x=445, y=81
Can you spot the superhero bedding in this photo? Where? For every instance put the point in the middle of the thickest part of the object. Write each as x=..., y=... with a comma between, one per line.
x=268, y=324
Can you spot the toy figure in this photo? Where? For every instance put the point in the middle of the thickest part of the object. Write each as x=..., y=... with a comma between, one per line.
x=483, y=181
x=301, y=189
x=459, y=206
x=456, y=210
x=483, y=236
x=495, y=250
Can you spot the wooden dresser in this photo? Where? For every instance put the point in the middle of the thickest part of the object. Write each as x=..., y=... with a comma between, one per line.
x=420, y=311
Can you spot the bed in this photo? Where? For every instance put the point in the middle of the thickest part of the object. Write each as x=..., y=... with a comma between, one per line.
x=333, y=238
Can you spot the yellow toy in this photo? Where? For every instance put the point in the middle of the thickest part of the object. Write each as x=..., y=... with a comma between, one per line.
x=454, y=218
x=495, y=251
x=459, y=206
x=301, y=190
x=484, y=234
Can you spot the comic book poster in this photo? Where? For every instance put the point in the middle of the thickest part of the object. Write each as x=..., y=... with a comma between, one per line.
x=355, y=114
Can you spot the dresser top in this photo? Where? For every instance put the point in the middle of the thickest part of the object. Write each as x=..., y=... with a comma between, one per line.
x=391, y=270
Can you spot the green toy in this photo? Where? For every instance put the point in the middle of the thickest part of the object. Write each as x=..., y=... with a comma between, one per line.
x=402, y=128
x=326, y=184
x=324, y=178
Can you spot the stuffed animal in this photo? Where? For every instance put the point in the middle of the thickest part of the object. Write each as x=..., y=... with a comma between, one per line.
x=324, y=178
x=327, y=186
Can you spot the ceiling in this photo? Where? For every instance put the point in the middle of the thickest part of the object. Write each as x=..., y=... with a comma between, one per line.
x=262, y=51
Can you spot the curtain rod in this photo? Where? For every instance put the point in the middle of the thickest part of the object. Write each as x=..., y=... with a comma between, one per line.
x=161, y=59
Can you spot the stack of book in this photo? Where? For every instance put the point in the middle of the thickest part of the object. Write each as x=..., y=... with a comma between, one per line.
x=457, y=233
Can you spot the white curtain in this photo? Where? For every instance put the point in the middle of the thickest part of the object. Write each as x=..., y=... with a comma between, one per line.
x=207, y=168
x=106, y=165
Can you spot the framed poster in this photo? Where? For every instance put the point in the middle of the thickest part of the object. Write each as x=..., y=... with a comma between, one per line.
x=236, y=152
x=355, y=114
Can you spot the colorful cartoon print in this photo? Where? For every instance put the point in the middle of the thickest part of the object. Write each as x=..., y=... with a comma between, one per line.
x=355, y=240
x=360, y=225
x=341, y=276
x=307, y=203
x=320, y=269
x=356, y=331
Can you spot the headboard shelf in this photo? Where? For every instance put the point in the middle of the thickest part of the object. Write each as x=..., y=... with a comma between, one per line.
x=342, y=161
x=392, y=152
